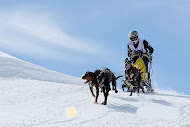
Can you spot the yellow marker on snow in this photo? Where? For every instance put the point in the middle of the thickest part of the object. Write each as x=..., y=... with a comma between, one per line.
x=71, y=112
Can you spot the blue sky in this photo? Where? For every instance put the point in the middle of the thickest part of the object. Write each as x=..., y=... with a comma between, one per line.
x=73, y=37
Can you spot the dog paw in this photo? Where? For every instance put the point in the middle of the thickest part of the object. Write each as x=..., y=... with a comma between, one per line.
x=95, y=102
x=104, y=103
x=116, y=91
x=94, y=96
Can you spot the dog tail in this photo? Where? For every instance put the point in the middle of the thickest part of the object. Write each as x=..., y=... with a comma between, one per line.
x=119, y=77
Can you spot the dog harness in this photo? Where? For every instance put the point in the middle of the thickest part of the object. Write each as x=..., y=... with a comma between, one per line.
x=130, y=73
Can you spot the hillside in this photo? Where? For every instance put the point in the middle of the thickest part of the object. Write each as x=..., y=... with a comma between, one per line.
x=11, y=67
x=34, y=96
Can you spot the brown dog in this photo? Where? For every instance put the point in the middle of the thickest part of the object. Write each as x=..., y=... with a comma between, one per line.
x=90, y=78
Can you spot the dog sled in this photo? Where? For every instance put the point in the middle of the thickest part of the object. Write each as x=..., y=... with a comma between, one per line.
x=145, y=77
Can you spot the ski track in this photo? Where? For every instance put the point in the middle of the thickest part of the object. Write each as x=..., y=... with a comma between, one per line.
x=43, y=104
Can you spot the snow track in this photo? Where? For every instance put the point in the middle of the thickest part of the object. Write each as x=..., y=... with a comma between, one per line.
x=43, y=104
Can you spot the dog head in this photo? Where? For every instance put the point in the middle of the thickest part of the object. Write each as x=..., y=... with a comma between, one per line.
x=91, y=76
x=88, y=76
x=128, y=63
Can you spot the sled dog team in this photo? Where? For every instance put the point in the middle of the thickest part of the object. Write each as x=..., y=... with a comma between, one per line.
x=136, y=76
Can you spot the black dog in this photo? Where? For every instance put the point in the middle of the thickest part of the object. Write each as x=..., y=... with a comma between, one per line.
x=104, y=79
x=132, y=75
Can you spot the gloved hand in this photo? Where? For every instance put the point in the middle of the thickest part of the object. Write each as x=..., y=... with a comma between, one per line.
x=150, y=57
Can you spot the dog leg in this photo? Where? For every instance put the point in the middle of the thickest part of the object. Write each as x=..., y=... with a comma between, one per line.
x=113, y=87
x=138, y=92
x=116, y=91
x=97, y=94
x=105, y=95
x=141, y=85
x=114, y=83
x=91, y=89
x=104, y=103
x=131, y=89
x=142, y=89
x=138, y=89
x=131, y=93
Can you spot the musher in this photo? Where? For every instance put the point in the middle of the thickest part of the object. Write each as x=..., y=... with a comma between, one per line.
x=136, y=44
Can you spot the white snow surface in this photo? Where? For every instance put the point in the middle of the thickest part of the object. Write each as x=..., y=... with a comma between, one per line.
x=11, y=67
x=34, y=96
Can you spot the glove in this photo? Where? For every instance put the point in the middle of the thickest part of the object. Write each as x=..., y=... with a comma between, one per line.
x=150, y=57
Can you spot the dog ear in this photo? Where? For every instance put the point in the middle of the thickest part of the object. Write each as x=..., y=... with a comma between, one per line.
x=90, y=73
x=129, y=61
x=126, y=60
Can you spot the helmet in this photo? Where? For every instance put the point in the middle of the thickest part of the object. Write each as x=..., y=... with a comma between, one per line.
x=134, y=34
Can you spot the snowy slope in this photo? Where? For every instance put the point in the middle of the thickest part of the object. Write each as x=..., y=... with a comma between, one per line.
x=11, y=67
x=41, y=102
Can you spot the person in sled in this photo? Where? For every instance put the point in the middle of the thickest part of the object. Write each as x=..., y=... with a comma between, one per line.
x=136, y=44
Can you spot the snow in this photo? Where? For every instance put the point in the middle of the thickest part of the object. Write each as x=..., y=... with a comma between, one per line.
x=150, y=110
x=12, y=67
x=34, y=96
x=2, y=54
